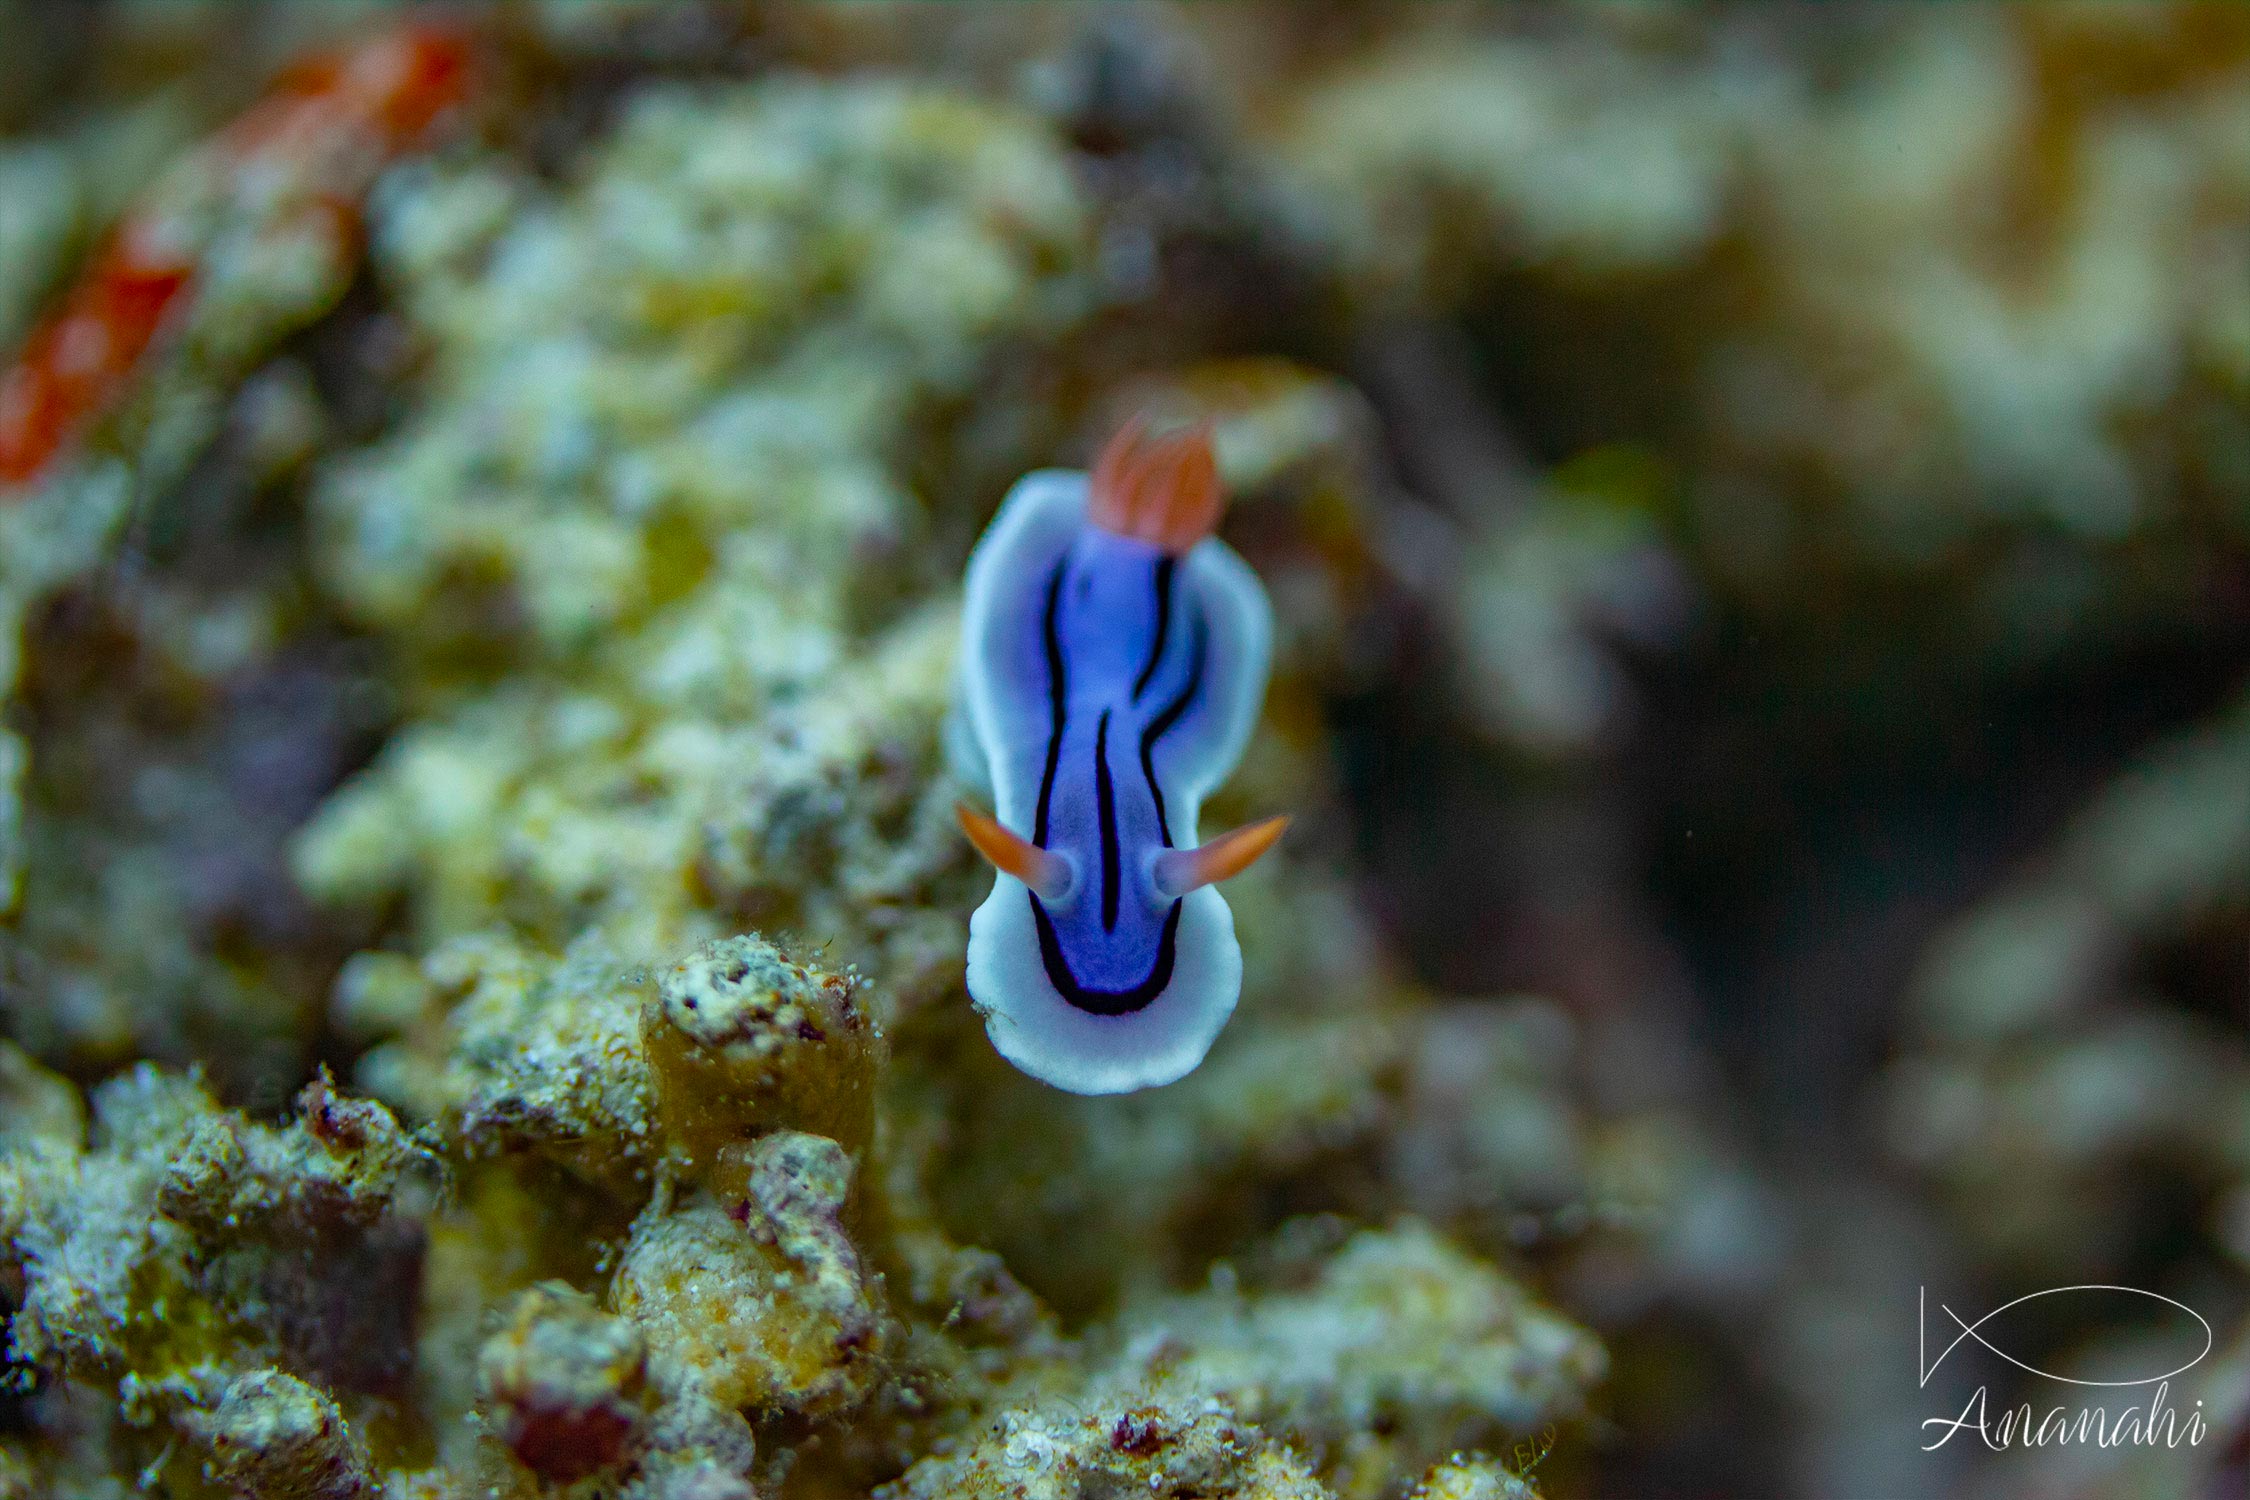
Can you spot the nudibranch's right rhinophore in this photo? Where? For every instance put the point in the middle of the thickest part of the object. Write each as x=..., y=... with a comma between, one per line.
x=1113, y=660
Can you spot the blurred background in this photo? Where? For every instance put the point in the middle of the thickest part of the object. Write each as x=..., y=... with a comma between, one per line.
x=1758, y=500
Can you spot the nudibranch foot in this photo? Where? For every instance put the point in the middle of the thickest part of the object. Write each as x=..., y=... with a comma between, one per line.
x=1111, y=1042
x=1113, y=662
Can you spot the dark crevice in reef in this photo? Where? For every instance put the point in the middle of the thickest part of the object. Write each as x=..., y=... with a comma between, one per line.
x=146, y=756
x=1803, y=876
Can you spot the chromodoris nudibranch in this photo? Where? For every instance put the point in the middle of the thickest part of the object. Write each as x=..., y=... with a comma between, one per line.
x=1113, y=661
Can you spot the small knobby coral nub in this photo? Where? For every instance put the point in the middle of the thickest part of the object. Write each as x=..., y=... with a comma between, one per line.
x=1163, y=491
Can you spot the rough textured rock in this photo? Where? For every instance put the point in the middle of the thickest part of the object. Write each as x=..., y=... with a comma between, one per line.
x=564, y=1380
x=270, y=1434
x=758, y=1299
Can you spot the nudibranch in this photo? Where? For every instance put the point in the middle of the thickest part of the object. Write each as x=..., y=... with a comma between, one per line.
x=1113, y=661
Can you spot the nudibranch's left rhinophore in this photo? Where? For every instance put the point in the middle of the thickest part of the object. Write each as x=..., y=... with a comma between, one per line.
x=1113, y=661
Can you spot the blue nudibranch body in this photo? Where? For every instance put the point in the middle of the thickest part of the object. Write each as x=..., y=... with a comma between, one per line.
x=1113, y=662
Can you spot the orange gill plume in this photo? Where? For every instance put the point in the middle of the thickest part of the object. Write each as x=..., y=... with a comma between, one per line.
x=1159, y=490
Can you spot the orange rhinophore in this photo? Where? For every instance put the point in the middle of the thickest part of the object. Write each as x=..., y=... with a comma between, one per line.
x=1163, y=491
x=1178, y=871
x=311, y=146
x=1013, y=854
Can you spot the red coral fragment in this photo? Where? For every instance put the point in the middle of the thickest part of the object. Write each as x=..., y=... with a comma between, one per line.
x=328, y=122
x=563, y=1445
x=1138, y=1433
